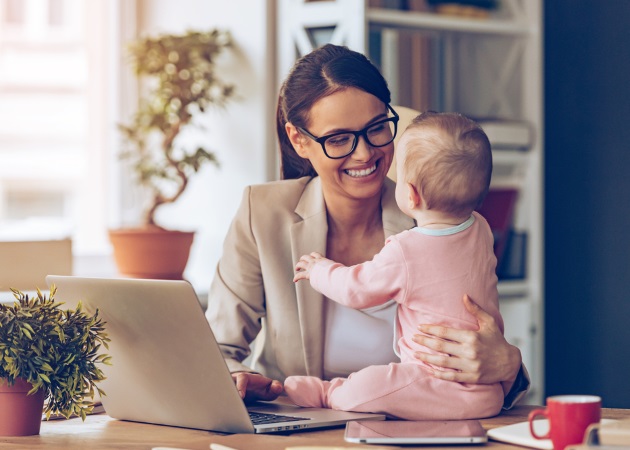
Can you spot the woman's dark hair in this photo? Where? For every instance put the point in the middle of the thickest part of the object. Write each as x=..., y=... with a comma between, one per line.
x=322, y=72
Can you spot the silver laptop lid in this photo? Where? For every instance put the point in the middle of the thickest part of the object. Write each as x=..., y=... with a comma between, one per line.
x=166, y=366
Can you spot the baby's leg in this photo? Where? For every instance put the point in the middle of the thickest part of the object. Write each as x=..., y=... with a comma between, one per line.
x=310, y=392
x=372, y=387
x=408, y=391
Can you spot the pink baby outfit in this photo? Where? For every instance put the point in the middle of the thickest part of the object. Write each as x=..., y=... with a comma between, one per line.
x=427, y=272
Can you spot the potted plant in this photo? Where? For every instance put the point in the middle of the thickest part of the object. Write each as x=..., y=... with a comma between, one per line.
x=47, y=356
x=182, y=85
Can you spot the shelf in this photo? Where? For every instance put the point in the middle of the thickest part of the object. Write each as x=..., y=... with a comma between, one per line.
x=389, y=18
x=513, y=288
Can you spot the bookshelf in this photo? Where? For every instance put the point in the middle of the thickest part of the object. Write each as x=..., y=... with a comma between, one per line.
x=488, y=68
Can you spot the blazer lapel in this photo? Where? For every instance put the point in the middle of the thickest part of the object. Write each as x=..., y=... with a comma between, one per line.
x=309, y=235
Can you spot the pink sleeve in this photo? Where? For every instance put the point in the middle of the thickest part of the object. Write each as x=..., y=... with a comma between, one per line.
x=364, y=285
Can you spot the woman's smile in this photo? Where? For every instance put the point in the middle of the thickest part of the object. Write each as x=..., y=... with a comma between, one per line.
x=361, y=173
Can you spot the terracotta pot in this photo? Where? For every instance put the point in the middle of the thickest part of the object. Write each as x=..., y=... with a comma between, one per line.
x=151, y=252
x=20, y=414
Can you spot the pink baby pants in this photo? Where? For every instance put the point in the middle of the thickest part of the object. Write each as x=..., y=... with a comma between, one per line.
x=400, y=390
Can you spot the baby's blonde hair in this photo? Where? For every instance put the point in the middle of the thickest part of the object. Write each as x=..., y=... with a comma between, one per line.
x=448, y=159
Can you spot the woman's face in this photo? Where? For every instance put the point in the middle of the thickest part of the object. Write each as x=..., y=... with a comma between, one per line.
x=361, y=174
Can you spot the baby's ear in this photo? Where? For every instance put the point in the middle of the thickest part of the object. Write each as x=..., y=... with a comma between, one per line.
x=296, y=138
x=413, y=196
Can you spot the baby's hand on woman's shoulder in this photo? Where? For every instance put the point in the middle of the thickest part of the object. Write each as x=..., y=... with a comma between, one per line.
x=305, y=264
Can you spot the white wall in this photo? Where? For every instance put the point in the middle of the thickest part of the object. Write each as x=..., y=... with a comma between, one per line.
x=242, y=135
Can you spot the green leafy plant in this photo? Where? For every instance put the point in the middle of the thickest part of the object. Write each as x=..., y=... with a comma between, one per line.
x=53, y=349
x=182, y=84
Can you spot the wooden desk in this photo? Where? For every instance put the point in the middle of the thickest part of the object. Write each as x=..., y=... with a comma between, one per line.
x=103, y=432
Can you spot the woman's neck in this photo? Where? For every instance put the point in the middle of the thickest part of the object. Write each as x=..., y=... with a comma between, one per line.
x=354, y=216
x=355, y=230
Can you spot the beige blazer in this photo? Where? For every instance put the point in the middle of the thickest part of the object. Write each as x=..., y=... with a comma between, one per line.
x=253, y=287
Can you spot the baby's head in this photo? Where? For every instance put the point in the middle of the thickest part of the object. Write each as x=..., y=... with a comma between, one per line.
x=448, y=159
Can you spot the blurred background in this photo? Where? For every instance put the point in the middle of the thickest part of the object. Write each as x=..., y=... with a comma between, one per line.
x=66, y=82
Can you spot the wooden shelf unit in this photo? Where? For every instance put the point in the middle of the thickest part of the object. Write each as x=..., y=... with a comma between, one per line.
x=480, y=67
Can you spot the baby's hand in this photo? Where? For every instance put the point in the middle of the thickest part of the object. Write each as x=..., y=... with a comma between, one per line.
x=304, y=266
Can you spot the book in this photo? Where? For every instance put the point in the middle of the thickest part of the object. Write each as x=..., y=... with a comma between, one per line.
x=613, y=434
x=417, y=5
x=519, y=434
x=606, y=435
x=514, y=259
x=507, y=134
x=498, y=210
x=386, y=4
x=414, y=83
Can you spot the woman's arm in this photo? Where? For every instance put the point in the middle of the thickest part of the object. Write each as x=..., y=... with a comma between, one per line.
x=236, y=297
x=252, y=282
x=481, y=357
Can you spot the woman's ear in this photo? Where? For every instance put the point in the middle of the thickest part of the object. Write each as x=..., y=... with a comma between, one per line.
x=414, y=198
x=296, y=139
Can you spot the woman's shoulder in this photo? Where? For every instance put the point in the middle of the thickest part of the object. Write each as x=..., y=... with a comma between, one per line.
x=280, y=194
x=296, y=184
x=279, y=188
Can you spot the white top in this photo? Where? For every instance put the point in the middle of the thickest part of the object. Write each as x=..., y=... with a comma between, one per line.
x=356, y=339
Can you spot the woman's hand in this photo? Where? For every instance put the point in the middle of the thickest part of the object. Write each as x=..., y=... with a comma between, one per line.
x=253, y=386
x=479, y=357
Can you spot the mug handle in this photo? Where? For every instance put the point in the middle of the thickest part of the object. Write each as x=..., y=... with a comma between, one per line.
x=532, y=416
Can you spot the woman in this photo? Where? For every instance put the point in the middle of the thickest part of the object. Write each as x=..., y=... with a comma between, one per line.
x=335, y=199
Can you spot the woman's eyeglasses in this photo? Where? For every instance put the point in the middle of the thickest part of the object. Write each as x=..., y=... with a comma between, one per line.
x=340, y=145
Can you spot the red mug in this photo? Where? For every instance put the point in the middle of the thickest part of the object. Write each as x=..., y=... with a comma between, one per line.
x=569, y=416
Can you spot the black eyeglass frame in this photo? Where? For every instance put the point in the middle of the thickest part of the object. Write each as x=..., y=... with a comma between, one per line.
x=357, y=134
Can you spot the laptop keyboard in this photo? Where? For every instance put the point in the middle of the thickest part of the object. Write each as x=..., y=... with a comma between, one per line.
x=263, y=418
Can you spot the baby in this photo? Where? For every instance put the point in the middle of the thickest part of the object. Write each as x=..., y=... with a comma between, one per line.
x=444, y=165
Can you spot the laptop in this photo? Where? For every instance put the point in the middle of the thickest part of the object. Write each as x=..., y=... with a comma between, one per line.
x=167, y=367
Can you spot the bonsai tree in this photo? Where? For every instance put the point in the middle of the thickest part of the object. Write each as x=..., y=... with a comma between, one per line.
x=53, y=349
x=183, y=84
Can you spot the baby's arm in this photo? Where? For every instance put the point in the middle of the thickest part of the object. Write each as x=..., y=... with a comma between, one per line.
x=360, y=286
x=305, y=264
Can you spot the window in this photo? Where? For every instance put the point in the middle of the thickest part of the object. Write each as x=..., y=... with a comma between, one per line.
x=57, y=80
